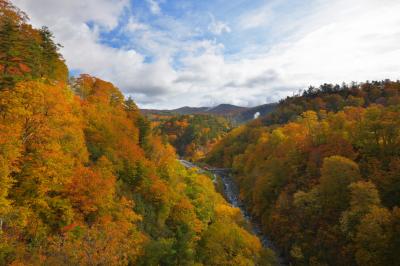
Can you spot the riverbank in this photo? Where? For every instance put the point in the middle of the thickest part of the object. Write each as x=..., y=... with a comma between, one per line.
x=227, y=187
x=231, y=193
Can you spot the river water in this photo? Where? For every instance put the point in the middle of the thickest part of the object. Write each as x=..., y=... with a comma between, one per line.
x=231, y=193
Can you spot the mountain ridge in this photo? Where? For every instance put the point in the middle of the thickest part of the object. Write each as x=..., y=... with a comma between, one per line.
x=221, y=108
x=238, y=113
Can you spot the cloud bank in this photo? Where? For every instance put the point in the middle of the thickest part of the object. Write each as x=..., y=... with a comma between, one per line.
x=168, y=54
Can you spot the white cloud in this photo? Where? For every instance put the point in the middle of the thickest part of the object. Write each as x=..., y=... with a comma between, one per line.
x=154, y=7
x=258, y=17
x=353, y=44
x=218, y=27
x=133, y=25
x=46, y=12
x=84, y=51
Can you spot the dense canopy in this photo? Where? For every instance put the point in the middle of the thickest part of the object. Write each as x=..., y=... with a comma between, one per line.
x=324, y=185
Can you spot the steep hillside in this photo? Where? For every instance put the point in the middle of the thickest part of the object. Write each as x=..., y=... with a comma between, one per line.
x=193, y=136
x=324, y=186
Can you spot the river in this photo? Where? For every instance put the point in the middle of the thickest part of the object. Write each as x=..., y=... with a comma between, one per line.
x=231, y=194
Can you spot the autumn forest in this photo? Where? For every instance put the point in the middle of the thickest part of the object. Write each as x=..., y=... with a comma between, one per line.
x=87, y=178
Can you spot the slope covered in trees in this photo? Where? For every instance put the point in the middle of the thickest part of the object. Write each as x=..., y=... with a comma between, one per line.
x=26, y=53
x=334, y=98
x=325, y=186
x=193, y=136
x=84, y=182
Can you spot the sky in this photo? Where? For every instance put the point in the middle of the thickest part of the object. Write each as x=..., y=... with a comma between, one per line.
x=171, y=53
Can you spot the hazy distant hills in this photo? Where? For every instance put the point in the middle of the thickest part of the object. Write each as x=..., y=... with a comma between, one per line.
x=186, y=110
x=222, y=109
x=226, y=109
x=238, y=113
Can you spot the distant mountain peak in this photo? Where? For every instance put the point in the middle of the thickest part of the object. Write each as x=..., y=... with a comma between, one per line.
x=238, y=113
x=226, y=109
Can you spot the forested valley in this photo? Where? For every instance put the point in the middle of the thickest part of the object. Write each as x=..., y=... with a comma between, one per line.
x=84, y=181
x=86, y=178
